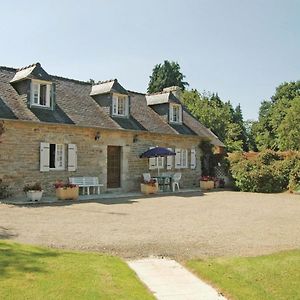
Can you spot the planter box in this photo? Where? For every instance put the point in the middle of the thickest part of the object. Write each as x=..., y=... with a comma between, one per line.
x=67, y=193
x=207, y=185
x=149, y=189
x=34, y=195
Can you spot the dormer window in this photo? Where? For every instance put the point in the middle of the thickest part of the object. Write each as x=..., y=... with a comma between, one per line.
x=40, y=93
x=120, y=105
x=175, y=111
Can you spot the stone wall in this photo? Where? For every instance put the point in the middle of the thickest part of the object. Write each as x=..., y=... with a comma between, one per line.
x=20, y=154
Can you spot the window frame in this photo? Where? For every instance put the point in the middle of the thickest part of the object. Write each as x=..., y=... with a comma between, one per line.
x=57, y=159
x=171, y=113
x=35, y=90
x=115, y=105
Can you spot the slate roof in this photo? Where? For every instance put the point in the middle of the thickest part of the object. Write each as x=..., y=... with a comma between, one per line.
x=74, y=105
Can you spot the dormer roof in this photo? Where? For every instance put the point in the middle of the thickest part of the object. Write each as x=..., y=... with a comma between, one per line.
x=34, y=71
x=108, y=86
x=162, y=97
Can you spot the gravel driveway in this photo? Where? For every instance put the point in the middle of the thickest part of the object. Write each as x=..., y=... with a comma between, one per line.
x=215, y=224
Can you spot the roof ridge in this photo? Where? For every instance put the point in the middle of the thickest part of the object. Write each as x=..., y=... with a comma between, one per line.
x=70, y=79
x=29, y=66
x=8, y=68
x=158, y=93
x=105, y=81
x=134, y=92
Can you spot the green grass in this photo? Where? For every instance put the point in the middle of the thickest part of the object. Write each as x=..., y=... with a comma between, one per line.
x=275, y=276
x=28, y=272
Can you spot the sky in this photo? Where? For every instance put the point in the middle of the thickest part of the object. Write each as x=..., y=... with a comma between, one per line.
x=241, y=49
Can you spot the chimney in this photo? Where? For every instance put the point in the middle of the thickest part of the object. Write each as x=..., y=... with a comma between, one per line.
x=176, y=91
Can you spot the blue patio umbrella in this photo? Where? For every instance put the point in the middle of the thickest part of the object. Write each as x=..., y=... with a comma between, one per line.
x=157, y=152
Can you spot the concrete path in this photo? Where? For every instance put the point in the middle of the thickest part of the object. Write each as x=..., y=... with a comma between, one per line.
x=168, y=280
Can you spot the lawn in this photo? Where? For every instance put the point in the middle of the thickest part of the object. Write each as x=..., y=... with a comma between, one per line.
x=28, y=272
x=275, y=276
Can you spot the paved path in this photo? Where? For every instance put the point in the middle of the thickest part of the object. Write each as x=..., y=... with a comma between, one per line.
x=168, y=280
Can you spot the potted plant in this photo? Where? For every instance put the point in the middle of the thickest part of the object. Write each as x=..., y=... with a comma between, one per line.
x=207, y=182
x=149, y=187
x=66, y=191
x=34, y=192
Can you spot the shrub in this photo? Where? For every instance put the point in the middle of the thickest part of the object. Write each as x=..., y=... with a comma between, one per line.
x=32, y=187
x=267, y=172
x=4, y=190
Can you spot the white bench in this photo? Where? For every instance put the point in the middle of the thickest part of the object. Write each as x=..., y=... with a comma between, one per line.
x=86, y=183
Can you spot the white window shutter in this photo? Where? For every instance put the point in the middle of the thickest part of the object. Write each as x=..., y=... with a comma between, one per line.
x=48, y=94
x=177, y=158
x=152, y=162
x=114, y=105
x=127, y=107
x=72, y=157
x=180, y=114
x=186, y=154
x=171, y=112
x=169, y=161
x=44, y=157
x=193, y=159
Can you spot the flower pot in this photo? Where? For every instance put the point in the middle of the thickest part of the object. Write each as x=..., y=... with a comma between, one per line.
x=34, y=195
x=67, y=193
x=149, y=188
x=207, y=185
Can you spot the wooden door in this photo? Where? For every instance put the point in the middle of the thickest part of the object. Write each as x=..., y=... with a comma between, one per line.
x=113, y=166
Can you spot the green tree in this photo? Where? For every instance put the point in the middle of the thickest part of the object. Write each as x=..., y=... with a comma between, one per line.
x=166, y=75
x=289, y=128
x=275, y=117
x=220, y=117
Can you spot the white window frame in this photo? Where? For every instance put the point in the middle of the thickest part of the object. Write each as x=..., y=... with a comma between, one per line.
x=36, y=90
x=178, y=119
x=116, y=105
x=59, y=157
x=181, y=158
x=156, y=162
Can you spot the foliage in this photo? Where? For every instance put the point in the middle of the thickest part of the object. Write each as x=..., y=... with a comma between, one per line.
x=220, y=117
x=32, y=187
x=4, y=190
x=40, y=273
x=268, y=172
x=61, y=184
x=166, y=75
x=294, y=178
x=278, y=125
x=261, y=277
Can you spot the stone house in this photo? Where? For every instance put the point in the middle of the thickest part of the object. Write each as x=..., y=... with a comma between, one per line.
x=53, y=128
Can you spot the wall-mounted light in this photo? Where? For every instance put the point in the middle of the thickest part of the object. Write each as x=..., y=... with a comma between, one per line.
x=97, y=136
x=135, y=139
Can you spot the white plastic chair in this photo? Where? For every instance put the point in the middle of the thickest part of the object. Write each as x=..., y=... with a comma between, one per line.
x=146, y=177
x=175, y=181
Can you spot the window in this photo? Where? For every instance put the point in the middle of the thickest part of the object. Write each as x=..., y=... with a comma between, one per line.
x=40, y=93
x=52, y=157
x=175, y=113
x=57, y=157
x=181, y=158
x=120, y=105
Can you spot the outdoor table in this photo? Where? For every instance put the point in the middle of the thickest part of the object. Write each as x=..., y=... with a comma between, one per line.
x=166, y=180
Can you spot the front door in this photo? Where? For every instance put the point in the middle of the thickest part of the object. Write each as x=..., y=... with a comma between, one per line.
x=113, y=167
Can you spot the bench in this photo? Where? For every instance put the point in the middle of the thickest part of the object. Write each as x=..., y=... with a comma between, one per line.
x=86, y=183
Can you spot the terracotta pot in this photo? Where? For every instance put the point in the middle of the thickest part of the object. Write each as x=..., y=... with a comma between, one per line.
x=207, y=185
x=67, y=193
x=149, y=189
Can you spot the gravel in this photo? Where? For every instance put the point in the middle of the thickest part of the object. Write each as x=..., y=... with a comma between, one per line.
x=216, y=224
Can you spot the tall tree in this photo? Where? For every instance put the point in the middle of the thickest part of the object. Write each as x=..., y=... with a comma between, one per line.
x=276, y=116
x=165, y=75
x=220, y=117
